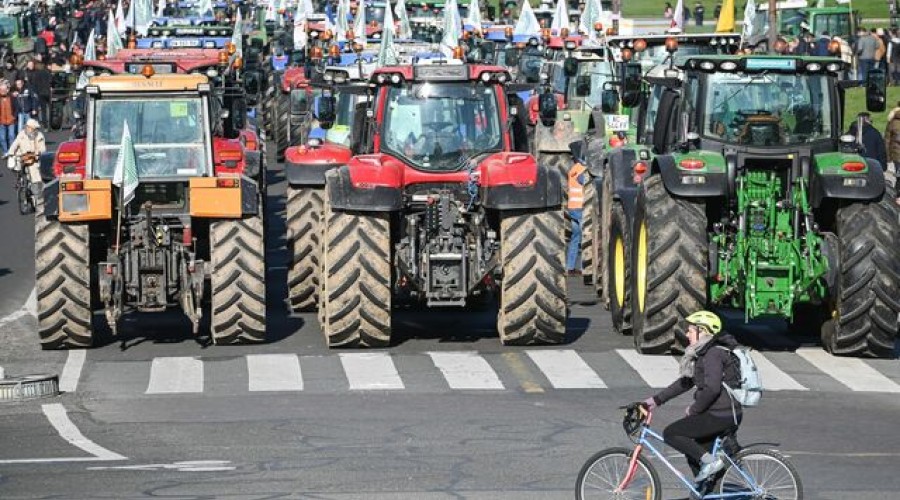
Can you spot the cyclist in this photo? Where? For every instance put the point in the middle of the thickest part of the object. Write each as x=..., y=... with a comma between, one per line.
x=27, y=147
x=706, y=364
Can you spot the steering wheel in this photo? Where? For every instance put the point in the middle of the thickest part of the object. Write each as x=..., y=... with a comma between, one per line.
x=438, y=126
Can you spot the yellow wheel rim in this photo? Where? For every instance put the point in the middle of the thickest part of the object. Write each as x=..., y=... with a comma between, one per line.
x=641, y=265
x=619, y=271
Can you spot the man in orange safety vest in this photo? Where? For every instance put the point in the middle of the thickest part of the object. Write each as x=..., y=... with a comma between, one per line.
x=577, y=179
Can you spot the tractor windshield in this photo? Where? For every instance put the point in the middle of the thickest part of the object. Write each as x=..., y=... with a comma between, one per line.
x=593, y=73
x=7, y=27
x=530, y=65
x=766, y=109
x=168, y=134
x=439, y=126
x=339, y=133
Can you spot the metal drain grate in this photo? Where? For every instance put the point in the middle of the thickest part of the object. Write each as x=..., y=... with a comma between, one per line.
x=28, y=387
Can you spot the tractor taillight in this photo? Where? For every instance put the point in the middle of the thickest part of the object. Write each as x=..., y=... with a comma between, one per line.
x=187, y=237
x=251, y=143
x=853, y=166
x=73, y=186
x=228, y=182
x=69, y=157
x=640, y=168
x=692, y=164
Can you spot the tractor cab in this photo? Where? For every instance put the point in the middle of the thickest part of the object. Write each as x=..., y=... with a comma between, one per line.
x=18, y=32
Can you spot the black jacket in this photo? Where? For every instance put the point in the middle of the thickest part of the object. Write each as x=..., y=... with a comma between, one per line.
x=713, y=366
x=873, y=143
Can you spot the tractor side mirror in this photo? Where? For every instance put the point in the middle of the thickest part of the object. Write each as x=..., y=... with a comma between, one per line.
x=327, y=111
x=583, y=85
x=251, y=82
x=238, y=114
x=876, y=91
x=609, y=101
x=570, y=66
x=631, y=84
x=299, y=103
x=547, y=108
x=512, y=56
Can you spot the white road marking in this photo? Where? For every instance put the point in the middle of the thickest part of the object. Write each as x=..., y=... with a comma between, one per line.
x=773, y=379
x=71, y=373
x=29, y=308
x=853, y=373
x=566, y=370
x=274, y=372
x=466, y=370
x=172, y=375
x=189, y=466
x=657, y=371
x=370, y=371
x=56, y=415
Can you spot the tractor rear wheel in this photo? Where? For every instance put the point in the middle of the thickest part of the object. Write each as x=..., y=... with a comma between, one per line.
x=590, y=215
x=533, y=288
x=238, y=281
x=304, y=215
x=62, y=282
x=355, y=300
x=281, y=123
x=670, y=265
x=867, y=307
x=619, y=267
x=601, y=286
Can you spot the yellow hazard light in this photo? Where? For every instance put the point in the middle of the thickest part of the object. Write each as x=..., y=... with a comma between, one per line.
x=458, y=52
x=232, y=48
x=640, y=45
x=147, y=70
x=598, y=26
x=334, y=51
x=315, y=53
x=671, y=44
x=326, y=36
x=223, y=58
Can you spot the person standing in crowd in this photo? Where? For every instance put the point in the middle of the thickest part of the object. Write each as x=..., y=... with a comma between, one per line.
x=698, y=14
x=9, y=71
x=668, y=12
x=880, y=49
x=717, y=11
x=38, y=77
x=822, y=43
x=893, y=57
x=866, y=46
x=577, y=179
x=892, y=139
x=27, y=104
x=872, y=142
x=8, y=114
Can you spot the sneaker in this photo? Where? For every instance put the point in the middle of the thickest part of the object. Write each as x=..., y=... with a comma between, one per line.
x=710, y=469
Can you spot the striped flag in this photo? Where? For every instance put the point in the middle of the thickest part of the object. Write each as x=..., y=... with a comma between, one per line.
x=126, y=176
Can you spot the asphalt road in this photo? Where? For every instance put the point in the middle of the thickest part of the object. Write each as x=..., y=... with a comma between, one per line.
x=445, y=413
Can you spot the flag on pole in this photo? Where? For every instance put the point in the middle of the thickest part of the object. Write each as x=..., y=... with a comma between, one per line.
x=586, y=19
x=304, y=9
x=452, y=28
x=120, y=17
x=678, y=16
x=527, y=23
x=560, y=17
x=749, y=19
x=205, y=8
x=473, y=19
x=161, y=8
x=113, y=39
x=126, y=176
x=144, y=15
x=90, y=50
x=405, y=30
x=726, y=18
x=387, y=55
x=270, y=11
x=359, y=25
x=129, y=17
x=237, y=36
x=343, y=26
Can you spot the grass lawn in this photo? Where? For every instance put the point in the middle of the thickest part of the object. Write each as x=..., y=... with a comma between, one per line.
x=868, y=9
x=856, y=102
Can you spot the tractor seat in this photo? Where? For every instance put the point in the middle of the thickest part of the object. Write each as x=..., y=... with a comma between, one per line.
x=761, y=130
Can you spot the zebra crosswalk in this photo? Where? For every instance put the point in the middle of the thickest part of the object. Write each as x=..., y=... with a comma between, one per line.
x=532, y=370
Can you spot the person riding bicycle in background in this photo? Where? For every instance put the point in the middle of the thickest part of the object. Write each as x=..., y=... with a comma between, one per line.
x=28, y=147
x=714, y=412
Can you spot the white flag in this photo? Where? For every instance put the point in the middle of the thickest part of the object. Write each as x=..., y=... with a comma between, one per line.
x=749, y=19
x=343, y=26
x=359, y=25
x=405, y=30
x=678, y=16
x=143, y=16
x=161, y=8
x=452, y=28
x=237, y=36
x=304, y=9
x=120, y=17
x=126, y=176
x=90, y=50
x=473, y=19
x=560, y=17
x=527, y=23
x=387, y=54
x=113, y=39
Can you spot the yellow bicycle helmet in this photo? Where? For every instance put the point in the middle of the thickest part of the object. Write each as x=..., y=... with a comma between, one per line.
x=708, y=320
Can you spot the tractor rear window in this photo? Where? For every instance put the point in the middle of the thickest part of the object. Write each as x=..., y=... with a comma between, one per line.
x=439, y=126
x=168, y=134
x=7, y=27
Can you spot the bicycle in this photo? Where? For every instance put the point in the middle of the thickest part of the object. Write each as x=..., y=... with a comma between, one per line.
x=24, y=192
x=757, y=473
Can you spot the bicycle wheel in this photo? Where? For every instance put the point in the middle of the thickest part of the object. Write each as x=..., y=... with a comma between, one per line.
x=24, y=198
x=773, y=474
x=604, y=471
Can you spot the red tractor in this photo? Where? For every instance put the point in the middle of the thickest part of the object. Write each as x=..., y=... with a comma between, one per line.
x=442, y=205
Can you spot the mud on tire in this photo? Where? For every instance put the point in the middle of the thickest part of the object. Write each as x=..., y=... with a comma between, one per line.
x=619, y=268
x=281, y=123
x=355, y=300
x=590, y=235
x=304, y=215
x=238, y=281
x=533, y=288
x=62, y=282
x=670, y=264
x=867, y=305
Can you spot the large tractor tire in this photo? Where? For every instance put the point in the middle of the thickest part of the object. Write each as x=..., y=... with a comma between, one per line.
x=238, y=281
x=590, y=216
x=62, y=282
x=601, y=260
x=282, y=122
x=867, y=306
x=533, y=287
x=670, y=265
x=618, y=249
x=267, y=103
x=355, y=300
x=560, y=162
x=304, y=214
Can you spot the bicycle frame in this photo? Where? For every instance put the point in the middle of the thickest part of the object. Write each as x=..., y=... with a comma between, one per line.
x=644, y=441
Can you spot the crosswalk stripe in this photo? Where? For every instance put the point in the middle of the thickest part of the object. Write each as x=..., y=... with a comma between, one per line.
x=172, y=375
x=274, y=372
x=773, y=379
x=466, y=370
x=370, y=371
x=566, y=370
x=853, y=373
x=657, y=371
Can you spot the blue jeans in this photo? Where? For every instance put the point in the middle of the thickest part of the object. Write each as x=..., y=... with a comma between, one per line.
x=23, y=117
x=7, y=136
x=863, y=67
x=575, y=243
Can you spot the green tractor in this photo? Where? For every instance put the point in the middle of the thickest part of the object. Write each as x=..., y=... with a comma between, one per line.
x=756, y=201
x=17, y=34
x=795, y=15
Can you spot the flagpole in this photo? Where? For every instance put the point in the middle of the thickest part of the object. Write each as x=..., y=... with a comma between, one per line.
x=119, y=218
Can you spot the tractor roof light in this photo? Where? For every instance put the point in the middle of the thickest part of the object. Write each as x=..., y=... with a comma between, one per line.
x=671, y=44
x=728, y=66
x=533, y=41
x=833, y=67
x=326, y=35
x=223, y=58
x=147, y=70
x=627, y=54
x=598, y=26
x=571, y=45
x=486, y=77
x=314, y=34
x=564, y=32
x=640, y=45
x=508, y=32
x=834, y=47
x=813, y=67
x=707, y=65
x=231, y=47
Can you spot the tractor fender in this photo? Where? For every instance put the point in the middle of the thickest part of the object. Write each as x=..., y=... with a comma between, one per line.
x=714, y=183
x=363, y=196
x=824, y=186
x=619, y=166
x=546, y=191
x=306, y=166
